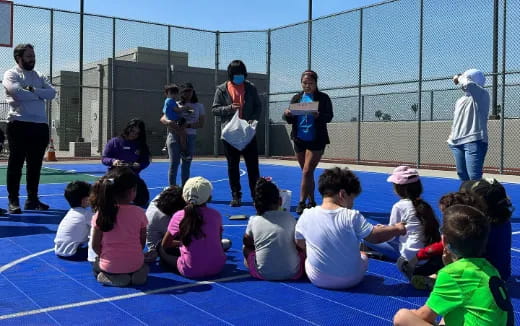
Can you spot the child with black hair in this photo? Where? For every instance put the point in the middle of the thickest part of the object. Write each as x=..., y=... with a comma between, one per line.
x=119, y=230
x=422, y=227
x=269, y=249
x=71, y=241
x=159, y=213
x=192, y=246
x=499, y=211
x=331, y=233
x=468, y=290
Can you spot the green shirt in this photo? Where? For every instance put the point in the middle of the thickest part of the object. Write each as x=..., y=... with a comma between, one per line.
x=462, y=294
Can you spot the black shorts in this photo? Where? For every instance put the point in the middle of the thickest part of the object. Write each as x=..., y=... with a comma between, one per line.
x=302, y=146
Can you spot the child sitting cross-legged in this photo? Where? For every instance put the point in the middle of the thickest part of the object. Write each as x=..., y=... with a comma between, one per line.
x=119, y=230
x=269, y=249
x=192, y=245
x=331, y=233
x=71, y=242
x=468, y=290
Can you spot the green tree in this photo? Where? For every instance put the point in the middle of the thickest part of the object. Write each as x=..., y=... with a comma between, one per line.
x=414, y=108
x=378, y=114
x=386, y=117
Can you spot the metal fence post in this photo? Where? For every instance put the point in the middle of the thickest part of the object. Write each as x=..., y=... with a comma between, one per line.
x=309, y=37
x=216, y=119
x=431, y=105
x=51, y=46
x=359, y=84
x=113, y=82
x=80, y=115
x=267, y=102
x=494, y=113
x=503, y=115
x=421, y=16
x=169, y=73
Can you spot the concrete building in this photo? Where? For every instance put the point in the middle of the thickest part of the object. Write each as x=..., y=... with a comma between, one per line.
x=139, y=77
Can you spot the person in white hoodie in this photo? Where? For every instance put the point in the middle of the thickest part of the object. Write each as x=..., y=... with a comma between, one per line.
x=468, y=139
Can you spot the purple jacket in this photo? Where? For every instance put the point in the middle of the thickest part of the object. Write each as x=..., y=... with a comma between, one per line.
x=121, y=149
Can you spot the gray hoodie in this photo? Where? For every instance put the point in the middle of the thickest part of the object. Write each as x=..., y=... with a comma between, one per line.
x=471, y=110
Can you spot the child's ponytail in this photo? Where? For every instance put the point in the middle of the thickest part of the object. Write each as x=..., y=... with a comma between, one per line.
x=107, y=191
x=191, y=225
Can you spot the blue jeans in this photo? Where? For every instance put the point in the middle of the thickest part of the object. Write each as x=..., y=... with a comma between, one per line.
x=174, y=152
x=469, y=159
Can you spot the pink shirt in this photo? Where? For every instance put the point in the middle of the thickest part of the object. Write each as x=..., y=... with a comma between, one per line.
x=204, y=256
x=121, y=249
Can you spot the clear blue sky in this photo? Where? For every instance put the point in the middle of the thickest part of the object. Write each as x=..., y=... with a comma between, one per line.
x=209, y=14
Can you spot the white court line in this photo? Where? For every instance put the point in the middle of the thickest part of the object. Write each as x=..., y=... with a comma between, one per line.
x=516, y=232
x=336, y=302
x=228, y=225
x=265, y=303
x=16, y=262
x=515, y=250
x=120, y=297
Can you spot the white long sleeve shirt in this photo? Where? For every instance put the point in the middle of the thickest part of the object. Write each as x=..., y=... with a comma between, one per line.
x=26, y=105
x=471, y=114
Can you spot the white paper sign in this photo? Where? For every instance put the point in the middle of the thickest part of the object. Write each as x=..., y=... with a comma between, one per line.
x=303, y=108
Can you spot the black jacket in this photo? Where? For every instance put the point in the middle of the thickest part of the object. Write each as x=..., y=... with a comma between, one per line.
x=222, y=103
x=320, y=123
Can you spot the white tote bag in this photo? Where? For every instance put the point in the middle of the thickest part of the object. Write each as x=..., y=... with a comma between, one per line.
x=238, y=132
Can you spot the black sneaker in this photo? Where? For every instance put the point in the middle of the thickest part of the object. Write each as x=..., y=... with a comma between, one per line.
x=301, y=206
x=35, y=205
x=236, y=201
x=14, y=208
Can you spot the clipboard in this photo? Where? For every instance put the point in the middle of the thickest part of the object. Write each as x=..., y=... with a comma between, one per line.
x=304, y=108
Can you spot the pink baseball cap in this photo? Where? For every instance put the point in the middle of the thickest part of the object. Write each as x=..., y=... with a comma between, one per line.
x=403, y=175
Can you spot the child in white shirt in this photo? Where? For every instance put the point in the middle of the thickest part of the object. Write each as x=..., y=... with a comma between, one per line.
x=71, y=242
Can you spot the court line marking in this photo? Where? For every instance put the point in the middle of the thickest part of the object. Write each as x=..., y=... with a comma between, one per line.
x=336, y=302
x=228, y=225
x=265, y=303
x=20, y=260
x=119, y=297
x=516, y=232
x=29, y=298
x=200, y=309
x=515, y=250
x=82, y=285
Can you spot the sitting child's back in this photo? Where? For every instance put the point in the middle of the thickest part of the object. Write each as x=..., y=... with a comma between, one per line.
x=276, y=254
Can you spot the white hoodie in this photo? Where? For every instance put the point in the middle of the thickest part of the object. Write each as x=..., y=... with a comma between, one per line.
x=471, y=110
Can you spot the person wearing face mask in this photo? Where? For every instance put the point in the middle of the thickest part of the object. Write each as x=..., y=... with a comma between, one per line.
x=309, y=134
x=238, y=94
x=26, y=91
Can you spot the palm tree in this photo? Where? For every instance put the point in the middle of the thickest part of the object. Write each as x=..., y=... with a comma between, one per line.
x=378, y=114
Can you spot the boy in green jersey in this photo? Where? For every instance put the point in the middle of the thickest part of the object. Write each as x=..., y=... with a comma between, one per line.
x=468, y=290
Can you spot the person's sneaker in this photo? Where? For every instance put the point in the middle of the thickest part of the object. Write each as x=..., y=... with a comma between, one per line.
x=421, y=282
x=35, y=205
x=404, y=267
x=14, y=208
x=226, y=244
x=118, y=280
x=301, y=206
x=236, y=201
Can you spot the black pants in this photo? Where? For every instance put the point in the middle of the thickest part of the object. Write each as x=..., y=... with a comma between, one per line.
x=250, y=153
x=27, y=142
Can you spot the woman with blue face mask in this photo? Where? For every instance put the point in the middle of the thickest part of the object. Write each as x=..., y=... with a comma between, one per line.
x=238, y=94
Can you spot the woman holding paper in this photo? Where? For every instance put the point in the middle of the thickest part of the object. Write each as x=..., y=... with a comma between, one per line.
x=309, y=132
x=238, y=96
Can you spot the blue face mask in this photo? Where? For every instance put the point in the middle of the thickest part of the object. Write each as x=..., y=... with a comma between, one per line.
x=238, y=79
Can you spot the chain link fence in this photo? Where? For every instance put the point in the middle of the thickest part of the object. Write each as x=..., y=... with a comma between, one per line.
x=387, y=68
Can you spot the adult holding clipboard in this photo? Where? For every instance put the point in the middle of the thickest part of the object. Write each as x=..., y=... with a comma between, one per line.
x=309, y=113
x=238, y=95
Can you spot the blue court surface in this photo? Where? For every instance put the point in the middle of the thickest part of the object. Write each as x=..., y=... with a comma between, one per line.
x=39, y=289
